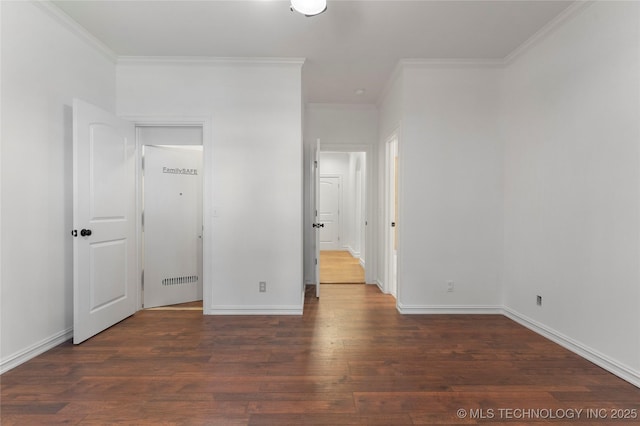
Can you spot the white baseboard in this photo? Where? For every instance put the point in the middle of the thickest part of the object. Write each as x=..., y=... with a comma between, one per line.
x=362, y=263
x=253, y=310
x=623, y=371
x=614, y=367
x=34, y=350
x=380, y=285
x=449, y=309
x=353, y=253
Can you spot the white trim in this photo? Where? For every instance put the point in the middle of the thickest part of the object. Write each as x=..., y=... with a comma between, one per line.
x=346, y=147
x=344, y=107
x=450, y=63
x=371, y=177
x=205, y=122
x=614, y=367
x=34, y=350
x=362, y=263
x=449, y=309
x=619, y=369
x=78, y=30
x=547, y=30
x=254, y=310
x=206, y=60
x=380, y=285
x=391, y=252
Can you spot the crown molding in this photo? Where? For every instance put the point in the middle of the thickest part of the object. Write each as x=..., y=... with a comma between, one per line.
x=451, y=63
x=572, y=10
x=67, y=22
x=206, y=60
x=334, y=106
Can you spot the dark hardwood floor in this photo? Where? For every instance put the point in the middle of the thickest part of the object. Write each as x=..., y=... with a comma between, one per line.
x=350, y=360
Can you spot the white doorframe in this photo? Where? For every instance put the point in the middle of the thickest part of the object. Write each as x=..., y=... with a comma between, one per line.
x=207, y=194
x=391, y=201
x=370, y=201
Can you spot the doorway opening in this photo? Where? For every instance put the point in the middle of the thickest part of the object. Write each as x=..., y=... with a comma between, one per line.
x=341, y=213
x=171, y=198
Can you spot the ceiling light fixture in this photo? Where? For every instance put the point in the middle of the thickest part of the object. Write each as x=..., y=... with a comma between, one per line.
x=309, y=7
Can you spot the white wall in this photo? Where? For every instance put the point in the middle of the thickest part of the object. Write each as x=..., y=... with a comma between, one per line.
x=334, y=163
x=44, y=66
x=450, y=189
x=256, y=113
x=572, y=208
x=342, y=128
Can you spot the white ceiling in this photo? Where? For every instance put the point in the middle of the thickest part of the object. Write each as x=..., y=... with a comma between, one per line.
x=354, y=44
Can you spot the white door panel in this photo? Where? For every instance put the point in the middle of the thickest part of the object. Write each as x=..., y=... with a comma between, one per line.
x=105, y=258
x=172, y=225
x=108, y=265
x=330, y=195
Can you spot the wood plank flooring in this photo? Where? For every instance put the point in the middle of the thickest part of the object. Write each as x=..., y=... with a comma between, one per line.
x=339, y=267
x=350, y=360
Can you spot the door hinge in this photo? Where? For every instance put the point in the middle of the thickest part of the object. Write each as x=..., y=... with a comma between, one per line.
x=316, y=260
x=315, y=163
x=142, y=163
x=143, y=220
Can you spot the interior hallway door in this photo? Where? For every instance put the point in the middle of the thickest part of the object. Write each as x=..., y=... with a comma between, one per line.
x=172, y=225
x=330, y=196
x=104, y=205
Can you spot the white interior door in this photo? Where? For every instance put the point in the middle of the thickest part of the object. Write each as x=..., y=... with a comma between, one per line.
x=316, y=220
x=330, y=195
x=104, y=249
x=392, y=216
x=172, y=225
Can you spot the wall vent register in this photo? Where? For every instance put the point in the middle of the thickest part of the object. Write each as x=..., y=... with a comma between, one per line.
x=180, y=280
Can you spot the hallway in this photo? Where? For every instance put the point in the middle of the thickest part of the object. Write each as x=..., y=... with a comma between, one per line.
x=339, y=267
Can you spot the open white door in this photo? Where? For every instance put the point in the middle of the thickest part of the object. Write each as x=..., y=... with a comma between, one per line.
x=316, y=223
x=104, y=247
x=172, y=225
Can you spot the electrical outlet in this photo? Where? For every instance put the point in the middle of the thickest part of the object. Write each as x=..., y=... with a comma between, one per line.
x=263, y=286
x=539, y=300
x=450, y=286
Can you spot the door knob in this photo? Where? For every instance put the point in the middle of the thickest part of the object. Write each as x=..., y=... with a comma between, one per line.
x=85, y=232
x=318, y=225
